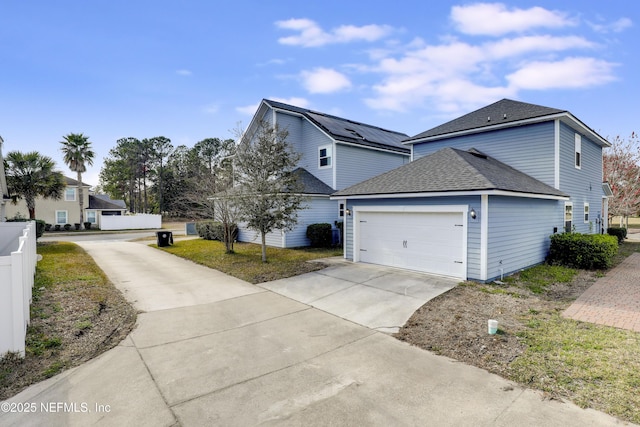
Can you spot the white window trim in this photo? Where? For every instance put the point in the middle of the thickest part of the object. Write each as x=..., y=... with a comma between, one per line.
x=93, y=214
x=66, y=216
x=329, y=155
x=577, y=157
x=564, y=215
x=586, y=213
x=75, y=192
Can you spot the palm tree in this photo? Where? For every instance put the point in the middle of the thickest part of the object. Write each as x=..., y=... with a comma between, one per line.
x=32, y=175
x=77, y=152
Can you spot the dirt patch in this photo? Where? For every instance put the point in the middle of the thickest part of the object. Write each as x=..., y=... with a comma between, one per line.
x=454, y=324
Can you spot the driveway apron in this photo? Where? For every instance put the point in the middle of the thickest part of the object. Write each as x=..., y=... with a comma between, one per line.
x=213, y=350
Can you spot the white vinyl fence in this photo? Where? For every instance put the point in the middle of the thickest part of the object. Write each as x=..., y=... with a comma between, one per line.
x=18, y=259
x=130, y=222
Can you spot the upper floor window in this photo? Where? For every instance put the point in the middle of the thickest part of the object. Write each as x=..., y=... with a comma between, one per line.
x=324, y=156
x=578, y=150
x=70, y=194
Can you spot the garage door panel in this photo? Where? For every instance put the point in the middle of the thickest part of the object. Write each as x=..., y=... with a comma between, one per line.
x=425, y=241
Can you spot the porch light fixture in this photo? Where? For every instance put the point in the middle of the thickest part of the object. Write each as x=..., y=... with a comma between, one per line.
x=348, y=212
x=473, y=214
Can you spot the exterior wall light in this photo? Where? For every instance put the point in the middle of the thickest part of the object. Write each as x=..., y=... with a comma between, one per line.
x=473, y=214
x=348, y=212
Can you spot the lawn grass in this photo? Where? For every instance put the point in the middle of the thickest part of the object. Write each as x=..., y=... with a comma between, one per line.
x=246, y=263
x=76, y=314
x=593, y=365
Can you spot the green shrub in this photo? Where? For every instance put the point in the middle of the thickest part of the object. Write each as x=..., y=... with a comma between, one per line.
x=214, y=230
x=586, y=251
x=87, y=225
x=319, y=235
x=67, y=227
x=619, y=232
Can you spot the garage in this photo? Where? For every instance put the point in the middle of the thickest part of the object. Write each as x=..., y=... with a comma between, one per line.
x=428, y=241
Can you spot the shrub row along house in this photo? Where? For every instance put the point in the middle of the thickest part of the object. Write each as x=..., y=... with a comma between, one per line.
x=474, y=198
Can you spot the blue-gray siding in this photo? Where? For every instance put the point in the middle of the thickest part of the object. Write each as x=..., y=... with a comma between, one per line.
x=355, y=164
x=518, y=232
x=584, y=184
x=318, y=210
x=529, y=149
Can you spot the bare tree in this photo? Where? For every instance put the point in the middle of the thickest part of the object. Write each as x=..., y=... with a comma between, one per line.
x=267, y=194
x=621, y=169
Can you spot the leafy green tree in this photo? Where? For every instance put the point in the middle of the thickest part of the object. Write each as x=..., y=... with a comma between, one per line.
x=77, y=154
x=268, y=192
x=161, y=149
x=31, y=175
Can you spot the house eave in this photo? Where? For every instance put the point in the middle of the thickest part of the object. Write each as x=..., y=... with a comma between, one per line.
x=565, y=117
x=451, y=194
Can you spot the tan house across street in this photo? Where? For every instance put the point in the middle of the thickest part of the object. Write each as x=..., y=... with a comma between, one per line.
x=66, y=210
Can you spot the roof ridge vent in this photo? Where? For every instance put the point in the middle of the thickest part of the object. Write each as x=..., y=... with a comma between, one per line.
x=477, y=153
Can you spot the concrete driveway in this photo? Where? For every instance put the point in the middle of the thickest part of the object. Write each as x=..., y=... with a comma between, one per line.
x=377, y=297
x=211, y=350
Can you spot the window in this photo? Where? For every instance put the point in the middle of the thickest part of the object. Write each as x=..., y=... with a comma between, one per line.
x=61, y=217
x=568, y=216
x=70, y=194
x=578, y=150
x=341, y=210
x=324, y=156
x=586, y=212
x=91, y=217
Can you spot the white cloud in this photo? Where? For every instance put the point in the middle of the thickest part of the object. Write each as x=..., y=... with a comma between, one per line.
x=494, y=19
x=248, y=110
x=211, y=109
x=310, y=34
x=567, y=73
x=613, y=27
x=324, y=80
x=183, y=72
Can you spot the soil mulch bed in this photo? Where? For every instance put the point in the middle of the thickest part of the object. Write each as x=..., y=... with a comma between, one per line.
x=454, y=324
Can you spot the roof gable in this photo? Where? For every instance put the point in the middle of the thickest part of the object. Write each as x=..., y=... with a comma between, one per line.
x=349, y=131
x=451, y=170
x=498, y=113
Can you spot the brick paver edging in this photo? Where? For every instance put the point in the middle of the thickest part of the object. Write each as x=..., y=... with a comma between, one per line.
x=613, y=300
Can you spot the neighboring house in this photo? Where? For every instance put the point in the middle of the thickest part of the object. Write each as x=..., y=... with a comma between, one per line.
x=482, y=194
x=66, y=210
x=335, y=153
x=4, y=192
x=101, y=205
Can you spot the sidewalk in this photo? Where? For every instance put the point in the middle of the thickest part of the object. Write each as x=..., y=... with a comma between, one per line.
x=613, y=300
x=210, y=349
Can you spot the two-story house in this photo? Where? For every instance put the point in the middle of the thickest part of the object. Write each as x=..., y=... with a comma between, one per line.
x=482, y=194
x=66, y=209
x=334, y=153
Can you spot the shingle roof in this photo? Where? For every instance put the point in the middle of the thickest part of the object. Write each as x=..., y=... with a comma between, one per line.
x=501, y=112
x=348, y=130
x=74, y=182
x=311, y=184
x=103, y=202
x=451, y=170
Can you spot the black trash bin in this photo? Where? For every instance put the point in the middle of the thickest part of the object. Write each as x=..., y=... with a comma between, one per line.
x=165, y=238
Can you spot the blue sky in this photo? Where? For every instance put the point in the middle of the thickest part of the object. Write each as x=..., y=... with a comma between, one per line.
x=191, y=70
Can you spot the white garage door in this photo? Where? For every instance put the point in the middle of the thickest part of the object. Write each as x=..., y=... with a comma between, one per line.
x=431, y=242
